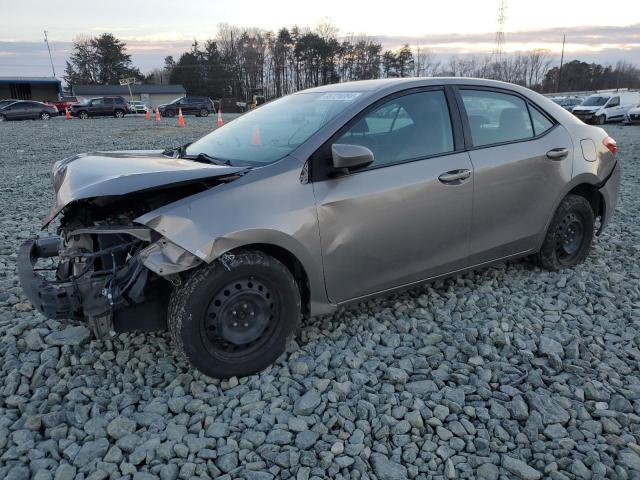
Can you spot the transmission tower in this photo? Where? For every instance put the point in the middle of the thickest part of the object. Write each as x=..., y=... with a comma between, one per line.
x=502, y=19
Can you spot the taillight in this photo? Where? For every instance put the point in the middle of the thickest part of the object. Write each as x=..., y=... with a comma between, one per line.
x=611, y=144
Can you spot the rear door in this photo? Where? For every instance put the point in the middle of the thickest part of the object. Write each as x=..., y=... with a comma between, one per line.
x=107, y=108
x=407, y=216
x=522, y=160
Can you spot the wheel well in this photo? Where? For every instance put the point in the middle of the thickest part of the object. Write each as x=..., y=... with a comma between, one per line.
x=292, y=263
x=593, y=196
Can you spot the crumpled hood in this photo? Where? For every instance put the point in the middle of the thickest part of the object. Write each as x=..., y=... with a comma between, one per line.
x=99, y=174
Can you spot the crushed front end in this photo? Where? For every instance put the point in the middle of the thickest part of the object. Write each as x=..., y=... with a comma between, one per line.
x=100, y=277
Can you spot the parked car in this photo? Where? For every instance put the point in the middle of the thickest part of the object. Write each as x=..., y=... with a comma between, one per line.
x=568, y=103
x=101, y=106
x=64, y=103
x=606, y=107
x=138, y=107
x=199, y=106
x=633, y=115
x=320, y=198
x=27, y=110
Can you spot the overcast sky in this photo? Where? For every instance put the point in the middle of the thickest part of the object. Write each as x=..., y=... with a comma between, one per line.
x=596, y=31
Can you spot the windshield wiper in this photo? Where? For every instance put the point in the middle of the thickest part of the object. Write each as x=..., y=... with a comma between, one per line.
x=203, y=157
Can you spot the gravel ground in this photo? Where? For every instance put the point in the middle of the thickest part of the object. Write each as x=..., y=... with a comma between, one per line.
x=509, y=372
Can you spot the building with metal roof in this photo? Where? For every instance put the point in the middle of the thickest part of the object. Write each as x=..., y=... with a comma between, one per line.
x=152, y=95
x=30, y=88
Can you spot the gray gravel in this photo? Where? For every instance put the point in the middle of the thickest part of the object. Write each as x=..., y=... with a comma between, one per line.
x=509, y=372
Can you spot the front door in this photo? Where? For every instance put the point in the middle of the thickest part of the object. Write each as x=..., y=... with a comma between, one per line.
x=407, y=216
x=522, y=160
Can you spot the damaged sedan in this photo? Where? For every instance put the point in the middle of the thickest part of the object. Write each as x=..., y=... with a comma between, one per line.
x=321, y=198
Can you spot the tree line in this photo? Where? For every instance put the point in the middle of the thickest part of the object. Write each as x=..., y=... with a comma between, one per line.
x=242, y=62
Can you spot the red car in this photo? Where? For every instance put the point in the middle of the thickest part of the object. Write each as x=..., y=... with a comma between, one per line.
x=64, y=103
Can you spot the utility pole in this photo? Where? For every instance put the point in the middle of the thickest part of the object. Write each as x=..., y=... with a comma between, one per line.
x=564, y=39
x=499, y=47
x=46, y=40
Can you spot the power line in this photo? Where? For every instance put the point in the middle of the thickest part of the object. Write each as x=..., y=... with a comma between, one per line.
x=502, y=20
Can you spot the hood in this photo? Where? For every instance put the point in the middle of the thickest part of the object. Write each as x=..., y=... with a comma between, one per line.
x=102, y=174
x=583, y=108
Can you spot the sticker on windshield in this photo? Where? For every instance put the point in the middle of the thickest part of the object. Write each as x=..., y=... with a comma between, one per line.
x=340, y=96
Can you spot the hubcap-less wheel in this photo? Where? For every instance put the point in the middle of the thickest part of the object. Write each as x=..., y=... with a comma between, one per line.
x=45, y=116
x=204, y=112
x=569, y=238
x=239, y=315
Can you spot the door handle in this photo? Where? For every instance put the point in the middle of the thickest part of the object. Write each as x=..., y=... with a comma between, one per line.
x=455, y=176
x=557, y=153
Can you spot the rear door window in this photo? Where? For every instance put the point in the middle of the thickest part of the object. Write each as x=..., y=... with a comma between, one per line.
x=108, y=101
x=496, y=117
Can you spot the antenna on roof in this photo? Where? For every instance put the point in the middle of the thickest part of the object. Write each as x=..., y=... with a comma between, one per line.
x=46, y=40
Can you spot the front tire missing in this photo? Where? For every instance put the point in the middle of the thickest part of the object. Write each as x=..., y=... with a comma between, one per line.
x=235, y=319
x=569, y=237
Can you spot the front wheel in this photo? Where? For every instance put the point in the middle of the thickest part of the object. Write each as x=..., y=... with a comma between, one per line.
x=204, y=112
x=2, y=118
x=45, y=116
x=600, y=119
x=169, y=113
x=569, y=237
x=234, y=318
x=83, y=115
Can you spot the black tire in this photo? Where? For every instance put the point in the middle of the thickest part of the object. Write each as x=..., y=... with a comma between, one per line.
x=599, y=120
x=45, y=116
x=118, y=113
x=569, y=237
x=204, y=112
x=169, y=113
x=234, y=319
x=3, y=118
x=83, y=114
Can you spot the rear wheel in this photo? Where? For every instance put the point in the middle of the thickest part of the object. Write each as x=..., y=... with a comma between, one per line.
x=118, y=113
x=45, y=116
x=83, y=115
x=169, y=113
x=568, y=240
x=234, y=319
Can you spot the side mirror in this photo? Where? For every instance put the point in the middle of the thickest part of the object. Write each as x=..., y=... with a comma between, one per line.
x=347, y=157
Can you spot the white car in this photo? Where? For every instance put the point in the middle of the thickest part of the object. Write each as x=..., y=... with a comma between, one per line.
x=606, y=107
x=633, y=115
x=138, y=107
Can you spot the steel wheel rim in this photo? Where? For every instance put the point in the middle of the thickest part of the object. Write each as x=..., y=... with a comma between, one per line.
x=570, y=237
x=240, y=317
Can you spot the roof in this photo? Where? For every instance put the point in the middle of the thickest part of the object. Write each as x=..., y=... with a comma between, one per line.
x=29, y=80
x=124, y=90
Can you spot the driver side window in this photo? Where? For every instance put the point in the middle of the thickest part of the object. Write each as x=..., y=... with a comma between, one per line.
x=614, y=102
x=405, y=128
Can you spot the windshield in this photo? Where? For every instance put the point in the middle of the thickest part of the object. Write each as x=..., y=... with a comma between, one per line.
x=595, y=101
x=274, y=130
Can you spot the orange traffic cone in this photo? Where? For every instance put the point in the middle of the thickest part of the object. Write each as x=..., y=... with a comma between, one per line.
x=147, y=115
x=67, y=113
x=220, y=122
x=180, y=118
x=157, y=115
x=255, y=136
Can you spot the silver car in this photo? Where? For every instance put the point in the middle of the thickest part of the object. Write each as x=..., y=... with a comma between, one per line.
x=324, y=197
